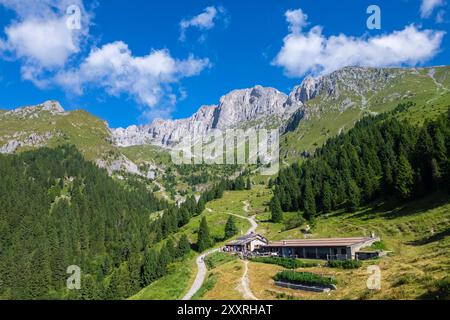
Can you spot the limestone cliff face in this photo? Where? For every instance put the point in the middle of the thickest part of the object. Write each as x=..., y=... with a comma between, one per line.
x=258, y=105
x=265, y=107
x=354, y=80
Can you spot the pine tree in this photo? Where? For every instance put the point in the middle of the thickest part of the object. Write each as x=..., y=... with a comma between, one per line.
x=200, y=205
x=163, y=262
x=327, y=197
x=404, y=179
x=149, y=269
x=249, y=184
x=309, y=202
x=230, y=228
x=183, y=246
x=89, y=289
x=277, y=213
x=169, y=247
x=354, y=196
x=204, y=238
x=115, y=288
x=239, y=184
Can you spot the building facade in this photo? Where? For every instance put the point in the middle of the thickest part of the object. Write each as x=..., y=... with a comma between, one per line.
x=325, y=249
x=247, y=243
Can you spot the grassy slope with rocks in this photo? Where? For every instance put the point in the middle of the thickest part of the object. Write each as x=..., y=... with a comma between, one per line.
x=428, y=87
x=92, y=138
x=89, y=134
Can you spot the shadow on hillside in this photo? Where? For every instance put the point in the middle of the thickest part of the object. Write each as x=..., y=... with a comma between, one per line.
x=437, y=237
x=393, y=209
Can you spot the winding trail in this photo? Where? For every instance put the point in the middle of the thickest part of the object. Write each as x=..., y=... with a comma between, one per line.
x=244, y=287
x=201, y=266
x=252, y=221
x=201, y=274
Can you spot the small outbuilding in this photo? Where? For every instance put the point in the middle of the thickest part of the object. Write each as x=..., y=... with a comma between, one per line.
x=247, y=243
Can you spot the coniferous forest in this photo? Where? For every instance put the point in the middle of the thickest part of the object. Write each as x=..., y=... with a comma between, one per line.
x=57, y=210
x=381, y=157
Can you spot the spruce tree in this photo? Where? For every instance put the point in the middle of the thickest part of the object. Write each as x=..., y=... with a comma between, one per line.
x=277, y=213
x=204, y=238
x=150, y=267
x=353, y=196
x=327, y=197
x=249, y=184
x=404, y=179
x=183, y=246
x=309, y=202
x=200, y=205
x=230, y=228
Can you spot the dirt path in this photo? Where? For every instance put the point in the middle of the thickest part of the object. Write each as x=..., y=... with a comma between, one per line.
x=438, y=86
x=252, y=221
x=201, y=274
x=246, y=206
x=244, y=287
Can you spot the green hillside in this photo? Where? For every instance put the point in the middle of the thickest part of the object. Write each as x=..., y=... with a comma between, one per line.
x=427, y=87
x=88, y=133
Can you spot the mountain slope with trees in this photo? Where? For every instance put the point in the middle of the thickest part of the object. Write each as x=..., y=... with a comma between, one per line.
x=380, y=157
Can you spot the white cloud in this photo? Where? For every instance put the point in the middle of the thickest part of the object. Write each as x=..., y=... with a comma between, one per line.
x=51, y=54
x=204, y=21
x=296, y=19
x=39, y=36
x=146, y=79
x=427, y=7
x=313, y=52
x=47, y=43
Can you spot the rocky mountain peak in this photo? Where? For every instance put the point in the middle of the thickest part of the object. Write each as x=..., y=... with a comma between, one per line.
x=52, y=106
x=245, y=105
x=358, y=80
x=265, y=106
x=234, y=110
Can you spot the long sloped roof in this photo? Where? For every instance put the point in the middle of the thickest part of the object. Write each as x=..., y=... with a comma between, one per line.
x=246, y=239
x=327, y=242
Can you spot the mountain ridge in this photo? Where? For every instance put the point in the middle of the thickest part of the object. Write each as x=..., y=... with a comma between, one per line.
x=314, y=110
x=268, y=107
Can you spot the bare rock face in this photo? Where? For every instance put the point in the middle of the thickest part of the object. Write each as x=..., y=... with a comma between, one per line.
x=356, y=80
x=33, y=140
x=51, y=106
x=234, y=110
x=267, y=107
x=245, y=105
x=10, y=147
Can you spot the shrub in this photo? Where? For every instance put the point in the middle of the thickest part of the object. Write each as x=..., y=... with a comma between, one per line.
x=345, y=264
x=379, y=245
x=288, y=263
x=305, y=278
x=440, y=289
x=405, y=279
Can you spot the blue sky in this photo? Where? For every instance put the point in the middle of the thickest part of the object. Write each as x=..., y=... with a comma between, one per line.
x=133, y=61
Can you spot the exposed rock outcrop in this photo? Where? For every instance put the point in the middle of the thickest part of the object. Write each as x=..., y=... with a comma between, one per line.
x=259, y=105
